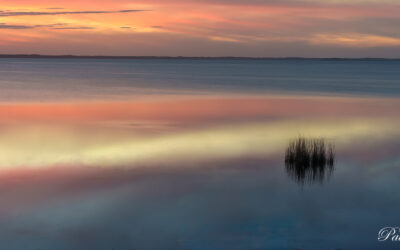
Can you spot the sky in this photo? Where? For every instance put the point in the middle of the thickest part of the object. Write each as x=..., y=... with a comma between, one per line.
x=256, y=28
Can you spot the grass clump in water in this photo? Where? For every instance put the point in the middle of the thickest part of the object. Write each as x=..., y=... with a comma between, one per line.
x=306, y=159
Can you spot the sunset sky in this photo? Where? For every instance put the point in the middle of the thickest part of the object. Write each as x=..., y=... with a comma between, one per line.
x=311, y=28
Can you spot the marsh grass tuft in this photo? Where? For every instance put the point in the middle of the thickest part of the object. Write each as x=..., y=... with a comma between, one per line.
x=307, y=159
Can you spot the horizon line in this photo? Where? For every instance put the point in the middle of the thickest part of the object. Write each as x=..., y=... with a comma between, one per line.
x=33, y=56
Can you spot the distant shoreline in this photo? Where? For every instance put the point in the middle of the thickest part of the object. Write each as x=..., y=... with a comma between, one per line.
x=36, y=56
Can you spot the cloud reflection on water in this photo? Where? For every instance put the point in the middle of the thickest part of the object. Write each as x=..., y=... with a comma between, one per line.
x=197, y=129
x=73, y=183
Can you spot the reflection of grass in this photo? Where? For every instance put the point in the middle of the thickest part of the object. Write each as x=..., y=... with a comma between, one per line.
x=306, y=159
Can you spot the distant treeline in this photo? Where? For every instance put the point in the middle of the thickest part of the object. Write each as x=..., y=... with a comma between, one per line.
x=188, y=57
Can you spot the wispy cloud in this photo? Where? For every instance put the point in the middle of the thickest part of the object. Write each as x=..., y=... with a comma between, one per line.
x=55, y=26
x=354, y=40
x=50, y=13
x=213, y=27
x=15, y=27
x=73, y=28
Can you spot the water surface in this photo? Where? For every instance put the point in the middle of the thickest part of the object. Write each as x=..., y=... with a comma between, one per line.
x=52, y=79
x=190, y=154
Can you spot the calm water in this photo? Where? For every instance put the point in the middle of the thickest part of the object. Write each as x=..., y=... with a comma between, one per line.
x=44, y=79
x=186, y=154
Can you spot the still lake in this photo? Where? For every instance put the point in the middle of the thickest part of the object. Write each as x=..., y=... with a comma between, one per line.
x=190, y=154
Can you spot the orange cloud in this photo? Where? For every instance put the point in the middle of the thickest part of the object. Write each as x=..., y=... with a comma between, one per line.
x=355, y=40
x=244, y=24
